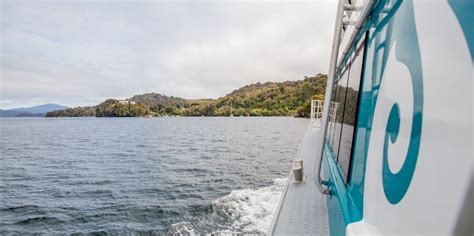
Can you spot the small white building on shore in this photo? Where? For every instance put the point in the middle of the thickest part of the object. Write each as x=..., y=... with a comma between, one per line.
x=126, y=102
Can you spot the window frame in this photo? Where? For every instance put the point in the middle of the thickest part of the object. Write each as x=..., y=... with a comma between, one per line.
x=337, y=93
x=328, y=137
x=360, y=50
x=342, y=97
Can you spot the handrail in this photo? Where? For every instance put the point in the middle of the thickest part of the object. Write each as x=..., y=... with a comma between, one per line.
x=327, y=98
x=331, y=76
x=358, y=27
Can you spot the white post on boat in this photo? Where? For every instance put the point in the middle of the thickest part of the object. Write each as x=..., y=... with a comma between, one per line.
x=298, y=171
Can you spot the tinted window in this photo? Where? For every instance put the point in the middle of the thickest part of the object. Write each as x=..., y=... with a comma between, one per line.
x=329, y=133
x=350, y=112
x=340, y=101
x=333, y=114
x=343, y=111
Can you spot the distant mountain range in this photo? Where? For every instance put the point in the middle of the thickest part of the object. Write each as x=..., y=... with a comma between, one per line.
x=289, y=98
x=35, y=111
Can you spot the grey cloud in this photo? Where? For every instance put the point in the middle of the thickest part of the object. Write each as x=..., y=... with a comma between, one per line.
x=80, y=52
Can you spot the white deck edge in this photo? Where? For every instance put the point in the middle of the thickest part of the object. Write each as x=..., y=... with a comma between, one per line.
x=276, y=216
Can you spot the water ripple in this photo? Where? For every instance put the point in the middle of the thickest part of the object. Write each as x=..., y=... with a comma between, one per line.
x=133, y=176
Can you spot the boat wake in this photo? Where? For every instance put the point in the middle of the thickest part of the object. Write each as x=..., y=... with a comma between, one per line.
x=248, y=211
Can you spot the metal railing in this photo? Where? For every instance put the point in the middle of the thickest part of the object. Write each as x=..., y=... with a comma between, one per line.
x=327, y=99
x=342, y=10
x=333, y=111
x=316, y=113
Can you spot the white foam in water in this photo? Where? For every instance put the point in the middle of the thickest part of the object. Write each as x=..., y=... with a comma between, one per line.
x=182, y=228
x=241, y=211
x=251, y=210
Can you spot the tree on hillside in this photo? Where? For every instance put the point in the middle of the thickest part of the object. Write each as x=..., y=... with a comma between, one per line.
x=260, y=99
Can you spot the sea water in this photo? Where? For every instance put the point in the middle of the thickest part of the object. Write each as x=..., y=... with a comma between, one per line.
x=144, y=175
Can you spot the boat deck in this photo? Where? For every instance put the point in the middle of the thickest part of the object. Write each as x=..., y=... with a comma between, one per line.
x=302, y=209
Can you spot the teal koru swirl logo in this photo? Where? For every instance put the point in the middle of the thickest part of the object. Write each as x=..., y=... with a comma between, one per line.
x=395, y=185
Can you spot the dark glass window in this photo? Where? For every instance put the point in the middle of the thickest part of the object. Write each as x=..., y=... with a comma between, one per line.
x=333, y=114
x=329, y=133
x=350, y=111
x=340, y=101
x=344, y=101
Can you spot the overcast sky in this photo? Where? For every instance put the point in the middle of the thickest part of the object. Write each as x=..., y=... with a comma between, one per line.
x=82, y=52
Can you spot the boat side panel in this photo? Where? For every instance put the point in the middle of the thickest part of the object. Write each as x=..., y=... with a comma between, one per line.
x=414, y=129
x=418, y=136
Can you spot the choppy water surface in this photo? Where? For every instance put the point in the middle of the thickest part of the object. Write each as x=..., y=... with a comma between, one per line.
x=143, y=176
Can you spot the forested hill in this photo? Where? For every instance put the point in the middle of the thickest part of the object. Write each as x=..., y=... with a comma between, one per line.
x=272, y=98
x=158, y=100
x=290, y=98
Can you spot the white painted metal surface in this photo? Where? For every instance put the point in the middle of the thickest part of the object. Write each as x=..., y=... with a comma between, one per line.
x=439, y=191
